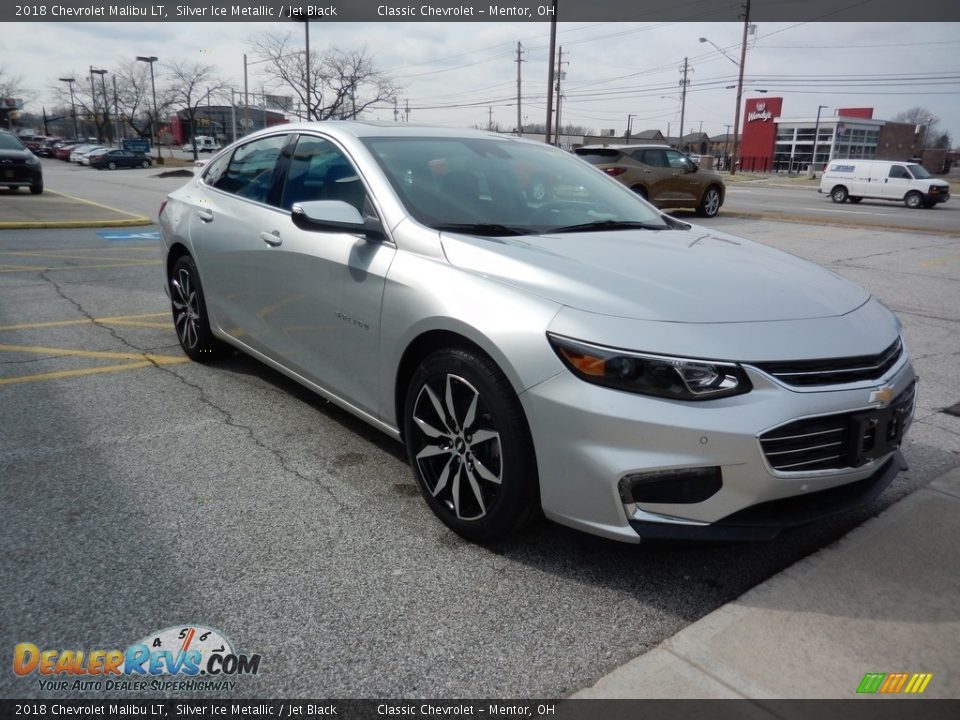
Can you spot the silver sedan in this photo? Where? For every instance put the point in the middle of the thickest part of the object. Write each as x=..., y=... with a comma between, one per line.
x=577, y=353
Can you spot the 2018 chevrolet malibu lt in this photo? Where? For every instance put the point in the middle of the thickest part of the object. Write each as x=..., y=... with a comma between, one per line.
x=587, y=356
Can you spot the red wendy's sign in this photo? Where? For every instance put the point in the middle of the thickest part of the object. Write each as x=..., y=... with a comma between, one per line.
x=759, y=132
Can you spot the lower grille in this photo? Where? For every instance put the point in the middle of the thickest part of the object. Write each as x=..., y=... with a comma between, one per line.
x=844, y=440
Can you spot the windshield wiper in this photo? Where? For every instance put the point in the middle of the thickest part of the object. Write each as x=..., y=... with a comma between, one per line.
x=607, y=225
x=487, y=229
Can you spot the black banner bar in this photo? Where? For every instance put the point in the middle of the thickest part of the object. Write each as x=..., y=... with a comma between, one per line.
x=478, y=11
x=153, y=709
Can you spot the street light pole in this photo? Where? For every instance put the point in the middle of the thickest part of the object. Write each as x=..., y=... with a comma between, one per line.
x=629, y=126
x=106, y=102
x=816, y=136
x=73, y=106
x=153, y=87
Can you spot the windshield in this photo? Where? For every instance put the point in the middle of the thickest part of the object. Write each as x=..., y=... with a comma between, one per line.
x=919, y=172
x=10, y=142
x=502, y=187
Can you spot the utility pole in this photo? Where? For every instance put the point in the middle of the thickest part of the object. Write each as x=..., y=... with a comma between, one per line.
x=683, y=99
x=553, y=55
x=406, y=111
x=246, y=99
x=560, y=74
x=726, y=147
x=519, y=60
x=396, y=111
x=736, y=117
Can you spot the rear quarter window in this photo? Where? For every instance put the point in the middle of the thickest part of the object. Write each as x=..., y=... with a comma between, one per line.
x=599, y=156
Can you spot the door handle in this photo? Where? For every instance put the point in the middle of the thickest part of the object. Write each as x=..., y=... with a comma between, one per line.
x=271, y=238
x=205, y=215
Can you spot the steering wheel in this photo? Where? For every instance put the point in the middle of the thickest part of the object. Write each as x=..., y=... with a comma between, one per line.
x=549, y=211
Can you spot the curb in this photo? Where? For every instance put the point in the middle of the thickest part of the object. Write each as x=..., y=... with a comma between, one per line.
x=130, y=220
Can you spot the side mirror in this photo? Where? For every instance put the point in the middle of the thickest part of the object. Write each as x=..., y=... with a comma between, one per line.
x=334, y=215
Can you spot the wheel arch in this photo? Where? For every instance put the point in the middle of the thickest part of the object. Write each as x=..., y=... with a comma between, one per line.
x=429, y=341
x=176, y=251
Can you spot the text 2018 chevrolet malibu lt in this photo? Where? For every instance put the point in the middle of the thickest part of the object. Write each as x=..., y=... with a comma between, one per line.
x=583, y=356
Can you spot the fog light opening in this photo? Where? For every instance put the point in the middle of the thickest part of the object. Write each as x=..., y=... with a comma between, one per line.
x=680, y=486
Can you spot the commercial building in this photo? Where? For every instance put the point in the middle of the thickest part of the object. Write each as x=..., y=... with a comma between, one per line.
x=771, y=143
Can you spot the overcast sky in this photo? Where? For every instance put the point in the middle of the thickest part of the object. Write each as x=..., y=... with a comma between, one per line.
x=615, y=69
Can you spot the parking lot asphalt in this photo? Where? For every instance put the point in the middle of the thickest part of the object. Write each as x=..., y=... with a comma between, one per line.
x=144, y=491
x=52, y=209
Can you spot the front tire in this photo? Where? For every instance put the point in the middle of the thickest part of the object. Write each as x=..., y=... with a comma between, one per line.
x=854, y=200
x=469, y=446
x=190, y=313
x=37, y=188
x=839, y=194
x=710, y=203
x=145, y=164
x=913, y=200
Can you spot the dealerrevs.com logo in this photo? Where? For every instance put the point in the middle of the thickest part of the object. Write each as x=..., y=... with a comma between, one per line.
x=180, y=658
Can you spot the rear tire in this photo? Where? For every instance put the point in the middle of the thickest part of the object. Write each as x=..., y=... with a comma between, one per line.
x=145, y=164
x=839, y=194
x=710, y=203
x=641, y=191
x=111, y=166
x=190, y=313
x=469, y=446
x=854, y=199
x=913, y=200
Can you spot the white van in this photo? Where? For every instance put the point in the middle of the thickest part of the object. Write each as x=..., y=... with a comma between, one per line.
x=205, y=143
x=907, y=182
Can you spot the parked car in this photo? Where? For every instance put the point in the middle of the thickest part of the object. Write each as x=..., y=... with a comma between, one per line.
x=18, y=166
x=628, y=374
x=63, y=152
x=113, y=159
x=80, y=150
x=905, y=182
x=84, y=157
x=662, y=175
x=48, y=146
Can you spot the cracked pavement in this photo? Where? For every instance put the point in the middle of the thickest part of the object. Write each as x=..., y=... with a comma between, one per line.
x=226, y=495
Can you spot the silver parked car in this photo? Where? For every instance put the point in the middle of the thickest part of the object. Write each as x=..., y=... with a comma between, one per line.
x=580, y=354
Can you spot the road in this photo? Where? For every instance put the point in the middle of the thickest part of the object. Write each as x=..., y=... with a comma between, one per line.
x=145, y=494
x=805, y=202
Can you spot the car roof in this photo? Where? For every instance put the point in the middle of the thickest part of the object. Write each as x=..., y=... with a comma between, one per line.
x=632, y=146
x=363, y=129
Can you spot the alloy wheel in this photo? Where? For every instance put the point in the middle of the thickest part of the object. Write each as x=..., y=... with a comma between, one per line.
x=186, y=309
x=458, y=450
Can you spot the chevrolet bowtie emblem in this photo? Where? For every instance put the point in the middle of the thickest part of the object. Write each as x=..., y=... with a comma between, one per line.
x=882, y=395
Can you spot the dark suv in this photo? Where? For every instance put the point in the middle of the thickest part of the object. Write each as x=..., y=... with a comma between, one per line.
x=660, y=174
x=18, y=166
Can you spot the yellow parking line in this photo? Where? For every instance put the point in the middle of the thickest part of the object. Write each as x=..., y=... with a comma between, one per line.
x=942, y=260
x=132, y=263
x=113, y=320
x=98, y=354
x=60, y=256
x=61, y=374
x=20, y=268
x=95, y=204
x=139, y=248
x=134, y=323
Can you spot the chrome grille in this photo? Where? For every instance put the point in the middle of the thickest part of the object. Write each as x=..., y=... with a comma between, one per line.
x=844, y=440
x=834, y=371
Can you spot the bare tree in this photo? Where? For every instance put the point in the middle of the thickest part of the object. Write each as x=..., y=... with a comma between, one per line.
x=89, y=102
x=10, y=85
x=922, y=117
x=343, y=83
x=190, y=85
x=135, y=98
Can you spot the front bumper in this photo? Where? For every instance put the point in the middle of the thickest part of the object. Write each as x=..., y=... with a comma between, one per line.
x=587, y=438
x=21, y=175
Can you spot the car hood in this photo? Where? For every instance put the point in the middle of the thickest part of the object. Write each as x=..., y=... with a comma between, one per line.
x=692, y=276
x=19, y=155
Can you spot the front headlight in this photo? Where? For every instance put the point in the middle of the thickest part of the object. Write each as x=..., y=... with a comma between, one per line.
x=659, y=375
x=33, y=160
